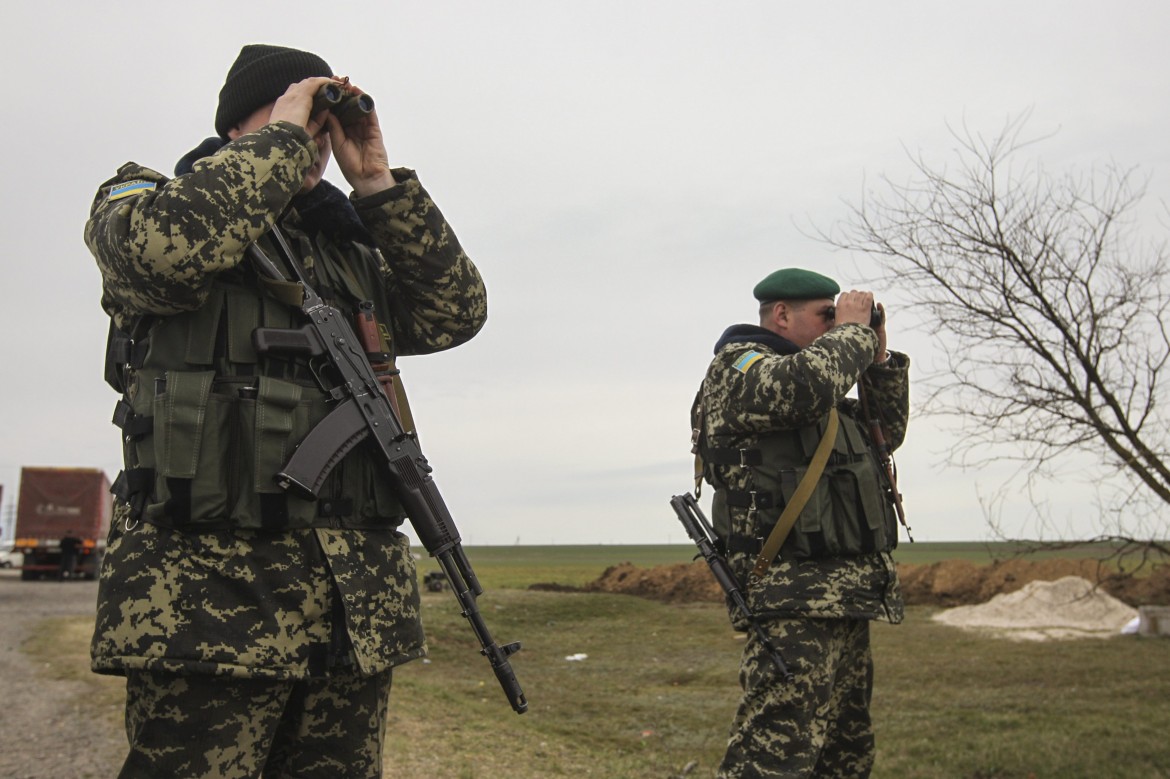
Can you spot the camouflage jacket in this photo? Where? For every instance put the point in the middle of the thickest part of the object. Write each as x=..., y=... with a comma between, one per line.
x=160, y=242
x=759, y=384
x=240, y=602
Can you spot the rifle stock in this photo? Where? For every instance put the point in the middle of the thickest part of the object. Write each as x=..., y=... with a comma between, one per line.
x=700, y=531
x=364, y=412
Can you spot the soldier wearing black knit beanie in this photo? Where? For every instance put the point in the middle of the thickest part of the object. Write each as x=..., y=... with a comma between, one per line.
x=258, y=630
x=261, y=74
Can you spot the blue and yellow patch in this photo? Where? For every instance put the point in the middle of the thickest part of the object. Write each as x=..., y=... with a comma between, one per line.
x=747, y=360
x=131, y=188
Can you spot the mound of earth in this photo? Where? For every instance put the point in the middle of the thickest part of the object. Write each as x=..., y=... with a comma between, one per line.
x=960, y=582
x=1070, y=607
x=679, y=583
x=948, y=583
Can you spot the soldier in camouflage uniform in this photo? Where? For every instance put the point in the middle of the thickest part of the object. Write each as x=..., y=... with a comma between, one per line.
x=257, y=631
x=762, y=410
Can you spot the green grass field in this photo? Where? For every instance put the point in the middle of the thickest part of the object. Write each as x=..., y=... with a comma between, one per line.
x=522, y=566
x=658, y=687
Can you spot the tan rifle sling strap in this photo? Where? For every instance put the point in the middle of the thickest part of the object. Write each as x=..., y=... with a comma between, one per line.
x=800, y=497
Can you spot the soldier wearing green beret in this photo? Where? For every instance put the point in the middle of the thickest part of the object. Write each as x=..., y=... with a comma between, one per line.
x=257, y=631
x=772, y=394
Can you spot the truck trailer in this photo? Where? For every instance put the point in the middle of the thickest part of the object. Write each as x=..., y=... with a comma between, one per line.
x=62, y=513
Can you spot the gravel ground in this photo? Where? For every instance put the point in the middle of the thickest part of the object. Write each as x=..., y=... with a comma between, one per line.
x=44, y=732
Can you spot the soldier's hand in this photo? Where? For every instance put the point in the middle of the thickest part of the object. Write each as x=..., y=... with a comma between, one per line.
x=296, y=105
x=360, y=151
x=854, y=307
x=857, y=308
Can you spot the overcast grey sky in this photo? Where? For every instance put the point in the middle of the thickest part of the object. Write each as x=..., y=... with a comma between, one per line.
x=622, y=173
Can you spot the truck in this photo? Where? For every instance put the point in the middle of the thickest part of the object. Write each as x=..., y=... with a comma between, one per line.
x=59, y=509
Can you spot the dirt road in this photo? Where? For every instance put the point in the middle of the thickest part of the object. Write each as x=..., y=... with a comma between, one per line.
x=43, y=731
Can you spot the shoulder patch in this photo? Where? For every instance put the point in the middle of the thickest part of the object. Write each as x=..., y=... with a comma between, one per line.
x=747, y=360
x=131, y=188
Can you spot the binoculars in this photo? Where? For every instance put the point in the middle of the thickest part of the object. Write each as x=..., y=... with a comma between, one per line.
x=876, y=317
x=348, y=108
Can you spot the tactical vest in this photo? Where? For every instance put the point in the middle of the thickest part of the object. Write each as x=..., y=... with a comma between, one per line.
x=849, y=512
x=207, y=422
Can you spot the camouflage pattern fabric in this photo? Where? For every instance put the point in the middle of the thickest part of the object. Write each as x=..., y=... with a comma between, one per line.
x=159, y=251
x=817, y=609
x=304, y=612
x=789, y=391
x=195, y=726
x=818, y=726
x=246, y=603
x=291, y=605
x=862, y=587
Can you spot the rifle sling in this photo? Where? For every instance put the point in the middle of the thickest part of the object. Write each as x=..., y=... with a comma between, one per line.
x=800, y=497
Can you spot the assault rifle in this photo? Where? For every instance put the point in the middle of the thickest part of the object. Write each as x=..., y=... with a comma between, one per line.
x=701, y=532
x=363, y=412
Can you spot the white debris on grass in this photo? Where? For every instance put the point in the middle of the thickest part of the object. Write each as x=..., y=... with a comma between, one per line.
x=1040, y=611
x=576, y=658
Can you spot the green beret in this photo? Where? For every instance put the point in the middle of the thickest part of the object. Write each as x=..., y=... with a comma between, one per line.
x=795, y=284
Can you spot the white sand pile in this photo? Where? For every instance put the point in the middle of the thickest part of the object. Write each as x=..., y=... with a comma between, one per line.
x=1039, y=611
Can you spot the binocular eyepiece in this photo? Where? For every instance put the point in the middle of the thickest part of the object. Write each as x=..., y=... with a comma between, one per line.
x=347, y=107
x=876, y=316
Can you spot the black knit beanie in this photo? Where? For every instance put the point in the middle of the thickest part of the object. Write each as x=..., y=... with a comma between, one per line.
x=259, y=75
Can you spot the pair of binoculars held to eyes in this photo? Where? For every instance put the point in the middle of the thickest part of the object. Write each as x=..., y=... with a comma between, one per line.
x=876, y=316
x=347, y=107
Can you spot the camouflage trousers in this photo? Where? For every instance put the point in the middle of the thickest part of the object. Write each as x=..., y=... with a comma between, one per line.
x=213, y=726
x=817, y=726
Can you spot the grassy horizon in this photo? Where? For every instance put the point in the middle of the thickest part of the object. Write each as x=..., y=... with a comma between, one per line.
x=657, y=686
x=574, y=565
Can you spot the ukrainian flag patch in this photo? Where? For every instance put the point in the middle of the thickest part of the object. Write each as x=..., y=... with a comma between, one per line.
x=131, y=188
x=747, y=360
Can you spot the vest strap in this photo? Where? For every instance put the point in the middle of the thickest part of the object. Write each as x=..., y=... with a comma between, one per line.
x=740, y=544
x=744, y=458
x=133, y=486
x=244, y=313
x=289, y=293
x=132, y=481
x=178, y=506
x=122, y=351
x=204, y=334
x=133, y=426
x=273, y=511
x=751, y=499
x=804, y=491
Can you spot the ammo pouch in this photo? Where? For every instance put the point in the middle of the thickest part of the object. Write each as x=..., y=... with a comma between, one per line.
x=205, y=437
x=847, y=514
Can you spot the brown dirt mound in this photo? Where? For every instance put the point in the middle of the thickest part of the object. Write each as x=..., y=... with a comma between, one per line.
x=948, y=583
x=677, y=583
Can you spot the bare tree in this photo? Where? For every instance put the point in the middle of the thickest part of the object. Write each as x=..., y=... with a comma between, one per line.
x=1051, y=311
